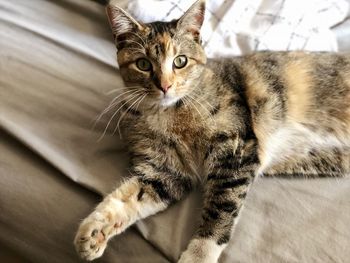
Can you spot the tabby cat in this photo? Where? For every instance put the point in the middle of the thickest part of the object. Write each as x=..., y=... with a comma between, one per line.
x=217, y=124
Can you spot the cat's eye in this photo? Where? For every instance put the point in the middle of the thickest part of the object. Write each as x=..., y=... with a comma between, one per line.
x=180, y=61
x=143, y=64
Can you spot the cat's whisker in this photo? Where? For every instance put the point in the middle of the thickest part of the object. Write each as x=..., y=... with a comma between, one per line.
x=115, y=113
x=201, y=104
x=136, y=97
x=106, y=110
x=120, y=95
x=209, y=114
x=194, y=106
x=194, y=99
x=185, y=101
x=120, y=89
x=188, y=102
x=211, y=106
x=139, y=99
x=109, y=107
x=137, y=106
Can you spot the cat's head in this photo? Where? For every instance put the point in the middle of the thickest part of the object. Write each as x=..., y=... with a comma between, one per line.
x=162, y=60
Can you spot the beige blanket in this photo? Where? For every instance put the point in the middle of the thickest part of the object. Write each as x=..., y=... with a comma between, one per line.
x=57, y=64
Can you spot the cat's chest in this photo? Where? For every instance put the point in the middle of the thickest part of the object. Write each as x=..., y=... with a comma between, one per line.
x=181, y=125
x=179, y=135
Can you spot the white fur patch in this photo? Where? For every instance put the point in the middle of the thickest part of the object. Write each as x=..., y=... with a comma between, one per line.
x=296, y=139
x=167, y=65
x=147, y=209
x=168, y=101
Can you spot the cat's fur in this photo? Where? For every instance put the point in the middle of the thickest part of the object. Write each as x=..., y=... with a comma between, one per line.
x=219, y=124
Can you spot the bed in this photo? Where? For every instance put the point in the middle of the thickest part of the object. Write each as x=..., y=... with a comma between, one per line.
x=57, y=68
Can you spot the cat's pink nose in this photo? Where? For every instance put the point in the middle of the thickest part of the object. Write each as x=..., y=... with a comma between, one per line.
x=166, y=87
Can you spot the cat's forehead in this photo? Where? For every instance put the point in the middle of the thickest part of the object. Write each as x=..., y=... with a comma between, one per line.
x=160, y=38
x=156, y=29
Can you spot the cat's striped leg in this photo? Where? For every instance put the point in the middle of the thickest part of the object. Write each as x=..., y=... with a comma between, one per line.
x=231, y=173
x=313, y=164
x=222, y=204
x=141, y=196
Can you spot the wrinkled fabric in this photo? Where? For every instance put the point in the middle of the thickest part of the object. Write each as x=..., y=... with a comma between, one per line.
x=57, y=74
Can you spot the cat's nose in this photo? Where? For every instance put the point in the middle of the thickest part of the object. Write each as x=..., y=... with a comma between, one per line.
x=165, y=87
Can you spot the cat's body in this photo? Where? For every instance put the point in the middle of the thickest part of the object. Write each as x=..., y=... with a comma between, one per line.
x=290, y=103
x=285, y=113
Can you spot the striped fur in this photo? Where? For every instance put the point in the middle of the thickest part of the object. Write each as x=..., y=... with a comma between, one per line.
x=221, y=123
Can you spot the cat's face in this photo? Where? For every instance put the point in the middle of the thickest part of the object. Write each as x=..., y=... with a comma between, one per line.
x=160, y=61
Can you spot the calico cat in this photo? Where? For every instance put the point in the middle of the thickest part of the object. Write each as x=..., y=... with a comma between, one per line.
x=218, y=124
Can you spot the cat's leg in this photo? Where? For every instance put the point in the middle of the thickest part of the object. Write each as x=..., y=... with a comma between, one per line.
x=231, y=171
x=222, y=203
x=137, y=198
x=314, y=164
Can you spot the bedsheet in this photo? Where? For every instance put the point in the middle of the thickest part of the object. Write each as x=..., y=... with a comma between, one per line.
x=57, y=69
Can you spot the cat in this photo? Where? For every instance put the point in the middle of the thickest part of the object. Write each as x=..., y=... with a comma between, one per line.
x=218, y=124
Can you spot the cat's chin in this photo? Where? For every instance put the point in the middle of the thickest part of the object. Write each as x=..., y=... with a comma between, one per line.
x=168, y=101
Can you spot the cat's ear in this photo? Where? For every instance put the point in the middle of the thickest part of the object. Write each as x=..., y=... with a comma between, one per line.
x=192, y=21
x=120, y=21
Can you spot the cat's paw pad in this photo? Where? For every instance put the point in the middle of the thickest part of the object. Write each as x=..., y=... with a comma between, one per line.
x=91, y=239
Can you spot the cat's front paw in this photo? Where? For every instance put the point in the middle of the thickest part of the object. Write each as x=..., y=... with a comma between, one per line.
x=93, y=235
x=91, y=239
x=201, y=251
x=186, y=258
x=193, y=257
